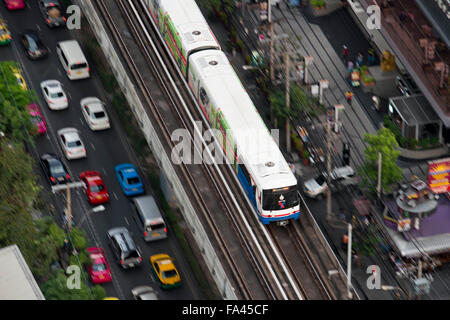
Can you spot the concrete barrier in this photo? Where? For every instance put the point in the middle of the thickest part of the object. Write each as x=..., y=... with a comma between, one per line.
x=189, y=213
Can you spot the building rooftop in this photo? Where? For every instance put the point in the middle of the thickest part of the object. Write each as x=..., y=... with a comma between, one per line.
x=415, y=110
x=433, y=236
x=16, y=280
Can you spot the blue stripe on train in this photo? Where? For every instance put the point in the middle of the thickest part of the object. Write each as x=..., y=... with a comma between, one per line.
x=247, y=187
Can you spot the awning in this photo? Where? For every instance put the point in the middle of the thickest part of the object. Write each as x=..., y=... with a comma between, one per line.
x=414, y=110
x=437, y=17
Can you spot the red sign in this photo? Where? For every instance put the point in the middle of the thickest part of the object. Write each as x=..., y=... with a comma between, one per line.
x=439, y=175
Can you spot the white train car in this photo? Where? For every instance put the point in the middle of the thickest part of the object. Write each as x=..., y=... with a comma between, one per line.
x=183, y=28
x=246, y=141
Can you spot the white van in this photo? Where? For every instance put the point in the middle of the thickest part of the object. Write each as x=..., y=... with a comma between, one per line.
x=149, y=218
x=72, y=59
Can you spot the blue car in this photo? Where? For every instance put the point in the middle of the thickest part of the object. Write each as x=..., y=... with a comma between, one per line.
x=129, y=179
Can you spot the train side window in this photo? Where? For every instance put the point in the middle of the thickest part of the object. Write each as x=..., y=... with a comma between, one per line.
x=203, y=96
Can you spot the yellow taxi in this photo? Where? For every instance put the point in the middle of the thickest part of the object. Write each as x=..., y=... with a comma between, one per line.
x=165, y=271
x=5, y=36
x=20, y=80
x=110, y=298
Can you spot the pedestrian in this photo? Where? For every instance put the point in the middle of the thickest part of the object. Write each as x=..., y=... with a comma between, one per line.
x=359, y=60
x=345, y=53
x=370, y=57
x=348, y=96
x=344, y=242
x=349, y=66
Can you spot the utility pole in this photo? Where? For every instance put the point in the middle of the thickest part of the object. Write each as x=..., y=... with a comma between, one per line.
x=288, y=99
x=349, y=262
x=68, y=187
x=69, y=209
x=272, y=59
x=328, y=169
x=379, y=174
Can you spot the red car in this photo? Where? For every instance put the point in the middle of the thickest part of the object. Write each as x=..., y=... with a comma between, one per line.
x=99, y=267
x=95, y=188
x=15, y=4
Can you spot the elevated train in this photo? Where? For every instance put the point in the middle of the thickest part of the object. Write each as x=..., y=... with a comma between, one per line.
x=258, y=163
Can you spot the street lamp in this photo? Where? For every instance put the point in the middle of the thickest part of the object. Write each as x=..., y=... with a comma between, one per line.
x=393, y=288
x=99, y=208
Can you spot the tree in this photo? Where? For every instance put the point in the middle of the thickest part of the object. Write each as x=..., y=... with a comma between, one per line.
x=277, y=100
x=15, y=119
x=384, y=141
x=56, y=289
x=18, y=189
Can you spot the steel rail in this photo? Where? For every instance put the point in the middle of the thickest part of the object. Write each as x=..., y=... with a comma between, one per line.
x=238, y=277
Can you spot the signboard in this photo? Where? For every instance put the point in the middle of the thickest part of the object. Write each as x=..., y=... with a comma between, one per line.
x=439, y=175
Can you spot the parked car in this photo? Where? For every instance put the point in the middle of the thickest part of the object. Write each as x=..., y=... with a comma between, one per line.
x=71, y=143
x=54, y=169
x=123, y=247
x=52, y=11
x=98, y=268
x=54, y=95
x=165, y=271
x=37, y=119
x=15, y=4
x=406, y=85
x=96, y=191
x=129, y=179
x=316, y=187
x=20, y=80
x=94, y=113
x=5, y=35
x=144, y=293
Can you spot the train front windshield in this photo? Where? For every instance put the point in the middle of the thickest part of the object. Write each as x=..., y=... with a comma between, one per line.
x=280, y=199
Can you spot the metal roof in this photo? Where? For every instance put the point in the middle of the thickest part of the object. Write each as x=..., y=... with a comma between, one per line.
x=414, y=110
x=16, y=280
x=255, y=145
x=417, y=247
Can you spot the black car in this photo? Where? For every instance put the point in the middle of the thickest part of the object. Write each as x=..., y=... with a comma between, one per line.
x=52, y=11
x=124, y=248
x=33, y=45
x=54, y=169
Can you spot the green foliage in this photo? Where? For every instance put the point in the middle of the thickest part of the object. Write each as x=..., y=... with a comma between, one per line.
x=18, y=190
x=277, y=100
x=297, y=142
x=412, y=143
x=56, y=289
x=300, y=102
x=384, y=141
x=78, y=237
x=15, y=119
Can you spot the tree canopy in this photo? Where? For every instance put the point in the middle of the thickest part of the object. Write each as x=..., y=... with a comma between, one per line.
x=14, y=117
x=384, y=141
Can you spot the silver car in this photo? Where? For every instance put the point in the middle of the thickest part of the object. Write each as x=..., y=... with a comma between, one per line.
x=144, y=293
x=71, y=143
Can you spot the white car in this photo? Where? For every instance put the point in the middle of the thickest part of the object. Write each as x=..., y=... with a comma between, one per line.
x=71, y=143
x=94, y=113
x=315, y=188
x=54, y=95
x=343, y=176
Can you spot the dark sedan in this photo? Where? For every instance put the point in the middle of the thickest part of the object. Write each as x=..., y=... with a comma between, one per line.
x=52, y=12
x=54, y=169
x=33, y=45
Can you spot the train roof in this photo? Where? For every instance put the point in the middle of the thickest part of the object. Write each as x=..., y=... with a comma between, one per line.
x=189, y=22
x=256, y=145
